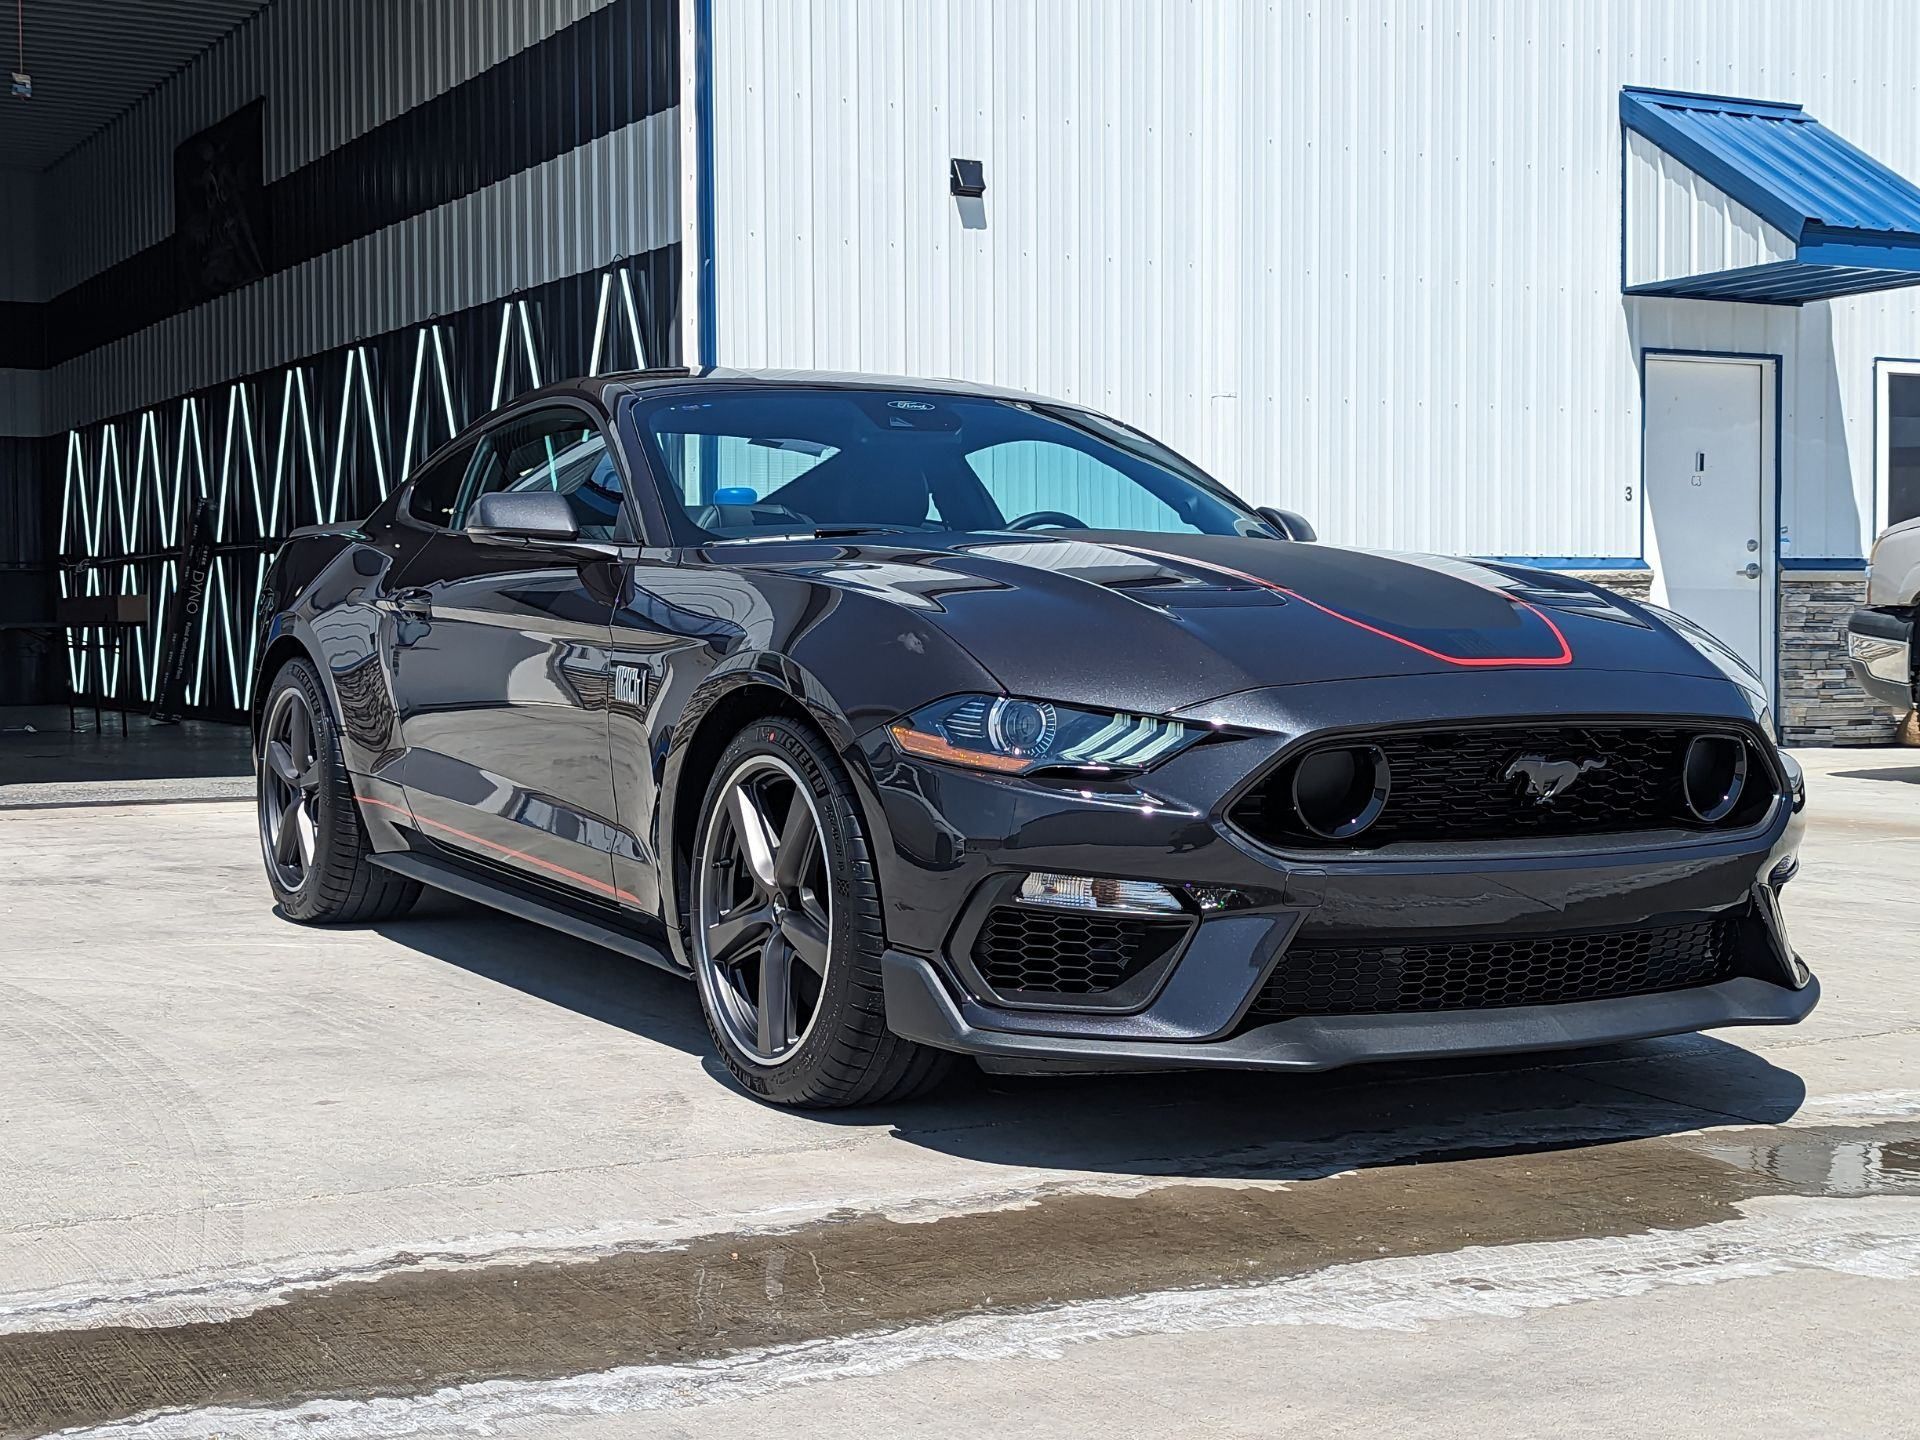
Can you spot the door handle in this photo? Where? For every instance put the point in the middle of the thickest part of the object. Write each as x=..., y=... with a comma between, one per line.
x=1751, y=570
x=412, y=602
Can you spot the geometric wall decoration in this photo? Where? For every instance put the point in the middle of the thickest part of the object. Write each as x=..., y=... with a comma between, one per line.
x=317, y=442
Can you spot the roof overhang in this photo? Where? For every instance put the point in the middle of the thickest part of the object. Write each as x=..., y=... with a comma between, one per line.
x=1749, y=200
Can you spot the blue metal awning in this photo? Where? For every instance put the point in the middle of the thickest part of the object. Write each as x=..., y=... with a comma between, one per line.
x=1748, y=200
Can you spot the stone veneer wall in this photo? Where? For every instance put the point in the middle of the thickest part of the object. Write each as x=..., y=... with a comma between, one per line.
x=1634, y=584
x=1819, y=702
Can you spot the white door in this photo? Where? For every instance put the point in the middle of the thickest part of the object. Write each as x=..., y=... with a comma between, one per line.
x=1705, y=450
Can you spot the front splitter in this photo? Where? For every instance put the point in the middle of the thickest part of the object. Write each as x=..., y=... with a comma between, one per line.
x=920, y=1008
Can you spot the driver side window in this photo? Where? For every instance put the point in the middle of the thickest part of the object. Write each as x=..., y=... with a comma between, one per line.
x=1027, y=477
x=560, y=450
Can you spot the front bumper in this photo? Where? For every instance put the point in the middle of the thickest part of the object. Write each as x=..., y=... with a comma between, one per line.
x=954, y=839
x=1878, y=653
x=920, y=1007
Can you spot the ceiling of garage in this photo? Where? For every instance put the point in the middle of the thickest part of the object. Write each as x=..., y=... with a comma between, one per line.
x=91, y=59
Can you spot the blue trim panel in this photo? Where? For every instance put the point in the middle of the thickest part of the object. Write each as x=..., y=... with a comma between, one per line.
x=1787, y=283
x=1570, y=562
x=708, y=299
x=1822, y=562
x=1700, y=100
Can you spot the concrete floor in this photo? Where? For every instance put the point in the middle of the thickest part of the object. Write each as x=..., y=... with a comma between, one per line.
x=391, y=1147
x=48, y=758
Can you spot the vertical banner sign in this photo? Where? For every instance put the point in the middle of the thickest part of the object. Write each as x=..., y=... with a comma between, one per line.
x=189, y=614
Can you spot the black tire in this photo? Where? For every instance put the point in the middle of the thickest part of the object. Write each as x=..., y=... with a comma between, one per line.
x=846, y=1055
x=334, y=881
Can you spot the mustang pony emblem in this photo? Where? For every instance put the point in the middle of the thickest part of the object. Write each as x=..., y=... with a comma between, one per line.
x=1544, y=779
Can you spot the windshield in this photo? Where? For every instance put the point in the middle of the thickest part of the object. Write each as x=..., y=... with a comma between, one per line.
x=762, y=462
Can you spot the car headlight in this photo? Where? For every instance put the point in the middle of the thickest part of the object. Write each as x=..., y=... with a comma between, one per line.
x=1015, y=737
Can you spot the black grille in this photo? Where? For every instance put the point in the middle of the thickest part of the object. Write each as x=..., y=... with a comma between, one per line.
x=1065, y=952
x=1455, y=785
x=1389, y=979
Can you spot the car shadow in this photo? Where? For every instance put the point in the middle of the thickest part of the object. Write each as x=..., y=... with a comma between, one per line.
x=1902, y=774
x=1311, y=1125
x=584, y=978
x=1178, y=1123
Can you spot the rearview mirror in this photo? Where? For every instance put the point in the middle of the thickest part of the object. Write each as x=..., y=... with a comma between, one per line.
x=540, y=515
x=1294, y=527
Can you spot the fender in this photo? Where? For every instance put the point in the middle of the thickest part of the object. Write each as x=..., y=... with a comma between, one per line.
x=843, y=677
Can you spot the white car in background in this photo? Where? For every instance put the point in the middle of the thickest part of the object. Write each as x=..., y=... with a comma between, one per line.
x=1880, y=633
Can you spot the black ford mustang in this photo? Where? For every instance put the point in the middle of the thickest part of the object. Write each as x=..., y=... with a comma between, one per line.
x=913, y=719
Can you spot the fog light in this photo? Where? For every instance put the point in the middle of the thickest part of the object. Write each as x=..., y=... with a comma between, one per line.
x=1219, y=897
x=1339, y=793
x=1716, y=774
x=1087, y=892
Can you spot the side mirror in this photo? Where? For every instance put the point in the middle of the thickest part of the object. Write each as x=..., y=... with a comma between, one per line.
x=527, y=515
x=1294, y=527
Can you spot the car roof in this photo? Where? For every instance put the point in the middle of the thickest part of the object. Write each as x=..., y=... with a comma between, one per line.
x=608, y=388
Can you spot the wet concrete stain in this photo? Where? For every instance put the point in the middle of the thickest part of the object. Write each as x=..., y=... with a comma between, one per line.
x=407, y=1333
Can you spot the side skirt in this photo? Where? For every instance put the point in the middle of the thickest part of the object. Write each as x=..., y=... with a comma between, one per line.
x=457, y=880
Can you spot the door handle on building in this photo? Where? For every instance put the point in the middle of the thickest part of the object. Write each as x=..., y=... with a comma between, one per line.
x=1751, y=570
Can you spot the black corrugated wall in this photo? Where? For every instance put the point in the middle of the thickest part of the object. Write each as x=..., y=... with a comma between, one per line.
x=26, y=575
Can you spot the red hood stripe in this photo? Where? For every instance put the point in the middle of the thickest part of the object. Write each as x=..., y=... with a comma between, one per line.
x=1564, y=657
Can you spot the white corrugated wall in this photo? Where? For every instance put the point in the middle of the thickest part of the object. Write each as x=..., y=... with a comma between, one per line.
x=1361, y=260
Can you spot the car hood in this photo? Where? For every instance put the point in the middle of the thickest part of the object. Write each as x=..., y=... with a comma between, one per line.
x=1158, y=623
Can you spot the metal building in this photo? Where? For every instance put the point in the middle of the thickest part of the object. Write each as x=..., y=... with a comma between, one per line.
x=1513, y=279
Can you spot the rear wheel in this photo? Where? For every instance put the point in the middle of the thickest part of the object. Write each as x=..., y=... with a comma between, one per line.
x=319, y=860
x=787, y=932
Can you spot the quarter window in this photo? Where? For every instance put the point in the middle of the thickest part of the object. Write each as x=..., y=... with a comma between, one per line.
x=436, y=487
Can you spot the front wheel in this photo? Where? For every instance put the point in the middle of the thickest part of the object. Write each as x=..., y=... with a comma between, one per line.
x=787, y=933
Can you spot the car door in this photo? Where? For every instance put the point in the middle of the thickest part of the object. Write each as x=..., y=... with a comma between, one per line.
x=503, y=676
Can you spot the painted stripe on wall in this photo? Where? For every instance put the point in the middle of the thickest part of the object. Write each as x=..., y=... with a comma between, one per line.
x=590, y=79
x=333, y=71
x=614, y=197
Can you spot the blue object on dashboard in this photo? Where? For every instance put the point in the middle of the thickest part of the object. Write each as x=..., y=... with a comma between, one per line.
x=734, y=495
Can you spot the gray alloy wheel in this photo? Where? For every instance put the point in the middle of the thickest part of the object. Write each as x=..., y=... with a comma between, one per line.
x=289, y=790
x=320, y=861
x=762, y=937
x=787, y=932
